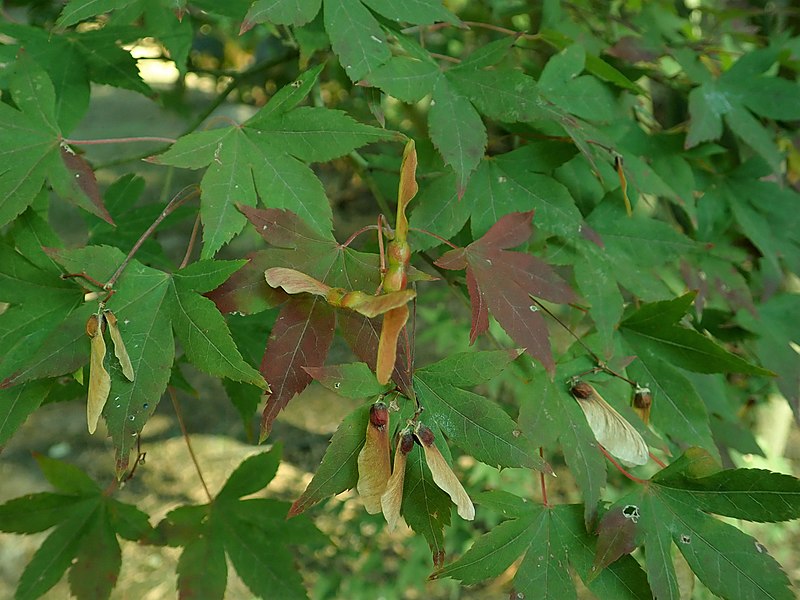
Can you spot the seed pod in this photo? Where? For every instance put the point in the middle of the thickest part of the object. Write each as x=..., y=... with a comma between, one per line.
x=374, y=467
x=443, y=475
x=119, y=346
x=392, y=498
x=613, y=432
x=99, y=379
x=642, y=401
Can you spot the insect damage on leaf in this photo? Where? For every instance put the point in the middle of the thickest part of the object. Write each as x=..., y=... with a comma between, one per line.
x=613, y=432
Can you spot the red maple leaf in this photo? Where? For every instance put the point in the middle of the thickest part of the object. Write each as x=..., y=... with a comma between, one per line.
x=502, y=281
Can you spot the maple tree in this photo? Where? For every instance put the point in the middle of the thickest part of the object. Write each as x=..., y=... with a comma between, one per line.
x=580, y=260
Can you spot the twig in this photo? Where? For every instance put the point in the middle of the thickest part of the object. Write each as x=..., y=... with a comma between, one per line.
x=433, y=235
x=192, y=240
x=173, y=204
x=541, y=479
x=177, y=407
x=236, y=78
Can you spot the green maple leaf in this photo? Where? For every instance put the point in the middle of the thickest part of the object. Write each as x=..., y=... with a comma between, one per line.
x=735, y=95
x=148, y=304
x=75, y=59
x=675, y=507
x=357, y=38
x=32, y=151
x=338, y=470
x=266, y=157
x=548, y=538
x=474, y=423
x=550, y=416
x=160, y=20
x=252, y=533
x=84, y=540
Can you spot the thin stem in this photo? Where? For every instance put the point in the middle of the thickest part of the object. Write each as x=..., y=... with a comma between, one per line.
x=177, y=407
x=541, y=480
x=433, y=235
x=192, y=240
x=173, y=204
x=88, y=278
x=657, y=460
x=124, y=140
x=358, y=233
x=564, y=325
x=445, y=57
x=619, y=467
x=236, y=78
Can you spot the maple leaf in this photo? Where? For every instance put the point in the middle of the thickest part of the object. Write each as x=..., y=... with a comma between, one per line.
x=675, y=507
x=304, y=329
x=246, y=531
x=501, y=281
x=33, y=150
x=87, y=524
x=267, y=157
x=357, y=38
x=148, y=304
x=548, y=538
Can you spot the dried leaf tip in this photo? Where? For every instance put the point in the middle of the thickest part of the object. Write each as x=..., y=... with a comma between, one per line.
x=642, y=401
x=99, y=379
x=443, y=475
x=610, y=429
x=374, y=468
x=119, y=346
x=392, y=498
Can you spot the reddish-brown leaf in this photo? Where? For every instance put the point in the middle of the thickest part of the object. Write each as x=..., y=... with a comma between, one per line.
x=282, y=228
x=86, y=182
x=301, y=337
x=480, y=312
x=502, y=280
x=617, y=536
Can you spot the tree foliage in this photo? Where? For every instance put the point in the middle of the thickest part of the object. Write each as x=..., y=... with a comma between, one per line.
x=597, y=193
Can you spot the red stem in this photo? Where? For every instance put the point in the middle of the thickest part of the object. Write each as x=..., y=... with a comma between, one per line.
x=125, y=140
x=619, y=467
x=433, y=235
x=358, y=233
x=656, y=460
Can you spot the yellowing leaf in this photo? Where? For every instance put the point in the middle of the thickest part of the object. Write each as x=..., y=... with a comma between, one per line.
x=613, y=432
x=295, y=282
x=373, y=460
x=372, y=306
x=393, y=323
x=407, y=190
x=99, y=379
x=119, y=346
x=443, y=475
x=392, y=498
